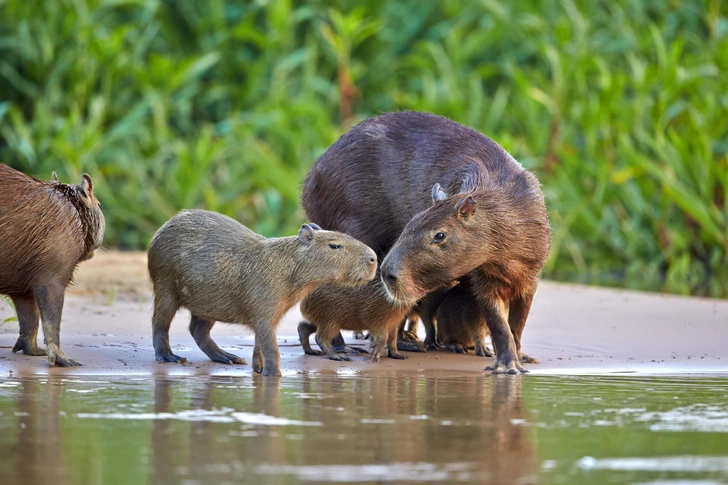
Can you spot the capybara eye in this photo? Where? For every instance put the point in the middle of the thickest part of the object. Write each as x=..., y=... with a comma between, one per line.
x=334, y=246
x=439, y=237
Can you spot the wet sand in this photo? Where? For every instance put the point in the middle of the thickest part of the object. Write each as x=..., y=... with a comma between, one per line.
x=572, y=330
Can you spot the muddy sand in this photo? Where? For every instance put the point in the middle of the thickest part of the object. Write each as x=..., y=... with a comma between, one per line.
x=571, y=330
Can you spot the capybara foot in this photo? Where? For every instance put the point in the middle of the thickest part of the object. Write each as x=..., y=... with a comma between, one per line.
x=340, y=357
x=28, y=348
x=397, y=355
x=355, y=350
x=226, y=358
x=313, y=352
x=432, y=343
x=58, y=359
x=170, y=357
x=527, y=359
x=410, y=346
x=486, y=352
x=271, y=371
x=409, y=335
x=509, y=367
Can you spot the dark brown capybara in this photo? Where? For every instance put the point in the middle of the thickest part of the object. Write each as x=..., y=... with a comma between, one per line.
x=331, y=308
x=438, y=201
x=222, y=271
x=46, y=229
x=460, y=323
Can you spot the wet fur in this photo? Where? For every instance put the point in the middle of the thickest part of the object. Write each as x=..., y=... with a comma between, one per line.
x=222, y=271
x=46, y=229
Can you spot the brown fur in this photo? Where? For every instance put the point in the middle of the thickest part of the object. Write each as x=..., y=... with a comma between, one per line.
x=46, y=229
x=332, y=308
x=397, y=180
x=460, y=323
x=222, y=271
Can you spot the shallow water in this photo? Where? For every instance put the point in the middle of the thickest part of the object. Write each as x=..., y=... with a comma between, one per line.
x=364, y=429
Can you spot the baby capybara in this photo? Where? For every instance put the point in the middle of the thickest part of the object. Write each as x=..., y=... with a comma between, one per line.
x=46, y=229
x=222, y=271
x=460, y=323
x=438, y=201
x=331, y=308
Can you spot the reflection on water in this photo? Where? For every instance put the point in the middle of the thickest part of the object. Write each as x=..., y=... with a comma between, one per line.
x=362, y=429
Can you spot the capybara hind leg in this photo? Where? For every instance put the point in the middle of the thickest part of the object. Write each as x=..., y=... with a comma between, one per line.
x=257, y=357
x=392, y=346
x=265, y=336
x=519, y=309
x=200, y=330
x=164, y=309
x=479, y=336
x=340, y=346
x=50, y=305
x=305, y=329
x=323, y=339
x=28, y=321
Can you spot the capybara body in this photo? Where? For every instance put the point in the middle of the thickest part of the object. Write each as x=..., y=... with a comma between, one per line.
x=46, y=229
x=331, y=308
x=438, y=201
x=222, y=271
x=460, y=323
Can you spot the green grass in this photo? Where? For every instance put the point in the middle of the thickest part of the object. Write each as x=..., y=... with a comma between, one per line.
x=618, y=107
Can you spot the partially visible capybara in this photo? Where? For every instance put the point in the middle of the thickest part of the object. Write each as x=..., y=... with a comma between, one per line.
x=46, y=229
x=331, y=308
x=222, y=271
x=460, y=323
x=438, y=201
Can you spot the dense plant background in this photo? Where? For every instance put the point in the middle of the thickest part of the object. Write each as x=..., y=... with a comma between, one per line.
x=620, y=108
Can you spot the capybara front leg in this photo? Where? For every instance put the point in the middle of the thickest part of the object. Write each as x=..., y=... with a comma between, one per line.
x=265, y=336
x=28, y=321
x=507, y=360
x=50, y=305
x=392, y=345
x=519, y=309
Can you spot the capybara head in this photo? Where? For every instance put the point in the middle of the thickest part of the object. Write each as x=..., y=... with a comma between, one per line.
x=89, y=210
x=438, y=245
x=335, y=257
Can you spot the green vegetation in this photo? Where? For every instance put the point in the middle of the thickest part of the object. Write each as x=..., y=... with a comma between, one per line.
x=619, y=108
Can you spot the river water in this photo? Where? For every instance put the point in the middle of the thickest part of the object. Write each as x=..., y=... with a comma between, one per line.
x=364, y=429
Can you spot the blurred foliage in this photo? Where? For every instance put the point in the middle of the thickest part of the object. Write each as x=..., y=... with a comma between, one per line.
x=619, y=108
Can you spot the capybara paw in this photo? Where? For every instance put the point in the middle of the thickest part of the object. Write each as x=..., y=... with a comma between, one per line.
x=511, y=367
x=398, y=356
x=484, y=352
x=339, y=357
x=170, y=357
x=28, y=348
x=409, y=346
x=313, y=352
x=275, y=372
x=60, y=360
x=226, y=358
x=527, y=359
x=356, y=350
x=410, y=335
x=374, y=357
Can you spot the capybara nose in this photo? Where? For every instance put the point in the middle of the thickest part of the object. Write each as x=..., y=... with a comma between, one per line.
x=390, y=278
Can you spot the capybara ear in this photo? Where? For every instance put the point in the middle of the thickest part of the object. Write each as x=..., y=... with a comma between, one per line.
x=54, y=177
x=87, y=186
x=467, y=207
x=313, y=226
x=305, y=234
x=438, y=194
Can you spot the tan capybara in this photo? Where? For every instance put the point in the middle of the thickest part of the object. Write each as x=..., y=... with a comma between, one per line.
x=460, y=323
x=46, y=229
x=331, y=308
x=438, y=201
x=222, y=271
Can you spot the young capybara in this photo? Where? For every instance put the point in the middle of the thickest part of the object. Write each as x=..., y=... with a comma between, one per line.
x=460, y=323
x=438, y=201
x=331, y=308
x=46, y=229
x=222, y=271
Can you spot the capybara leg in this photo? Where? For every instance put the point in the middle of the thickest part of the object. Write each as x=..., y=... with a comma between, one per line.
x=507, y=360
x=392, y=346
x=338, y=343
x=28, y=321
x=257, y=357
x=378, y=343
x=200, y=330
x=164, y=309
x=50, y=305
x=519, y=309
x=265, y=335
x=479, y=336
x=454, y=347
x=323, y=339
x=410, y=346
x=354, y=350
x=404, y=334
x=305, y=329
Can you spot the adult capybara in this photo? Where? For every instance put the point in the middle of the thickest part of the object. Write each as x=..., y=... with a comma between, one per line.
x=46, y=229
x=331, y=308
x=460, y=323
x=222, y=271
x=440, y=201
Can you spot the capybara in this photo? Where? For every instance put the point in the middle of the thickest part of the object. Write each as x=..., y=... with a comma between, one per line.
x=46, y=229
x=438, y=201
x=460, y=323
x=222, y=271
x=331, y=308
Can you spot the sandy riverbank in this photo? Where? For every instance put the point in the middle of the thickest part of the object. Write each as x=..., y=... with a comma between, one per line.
x=572, y=330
